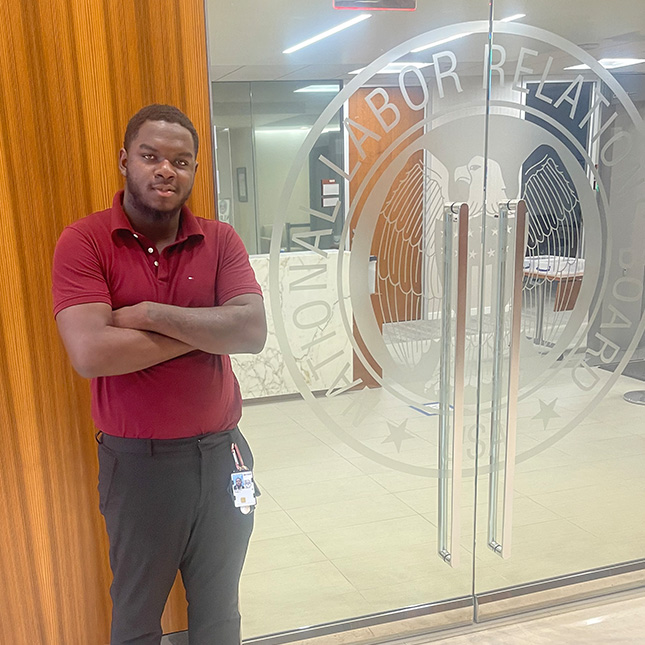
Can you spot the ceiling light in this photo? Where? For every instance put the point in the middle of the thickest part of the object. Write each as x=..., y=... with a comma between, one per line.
x=395, y=68
x=329, y=32
x=516, y=16
x=441, y=42
x=319, y=88
x=612, y=63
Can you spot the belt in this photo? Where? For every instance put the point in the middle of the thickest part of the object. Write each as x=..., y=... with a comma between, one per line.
x=156, y=446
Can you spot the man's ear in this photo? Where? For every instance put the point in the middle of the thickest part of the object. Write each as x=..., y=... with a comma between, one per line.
x=123, y=161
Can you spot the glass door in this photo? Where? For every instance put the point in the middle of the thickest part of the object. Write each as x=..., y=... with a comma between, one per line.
x=447, y=223
x=559, y=446
x=374, y=303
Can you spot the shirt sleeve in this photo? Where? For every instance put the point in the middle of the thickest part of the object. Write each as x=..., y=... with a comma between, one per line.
x=77, y=273
x=235, y=275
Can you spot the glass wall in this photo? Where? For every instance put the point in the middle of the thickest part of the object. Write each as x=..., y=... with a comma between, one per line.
x=259, y=129
x=445, y=209
x=577, y=140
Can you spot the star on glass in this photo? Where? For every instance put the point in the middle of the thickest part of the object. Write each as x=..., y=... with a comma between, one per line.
x=397, y=434
x=491, y=253
x=547, y=412
x=494, y=231
x=472, y=255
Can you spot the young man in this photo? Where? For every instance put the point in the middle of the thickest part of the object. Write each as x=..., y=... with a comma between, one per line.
x=150, y=301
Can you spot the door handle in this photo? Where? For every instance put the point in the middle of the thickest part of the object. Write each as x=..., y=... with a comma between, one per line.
x=451, y=400
x=504, y=427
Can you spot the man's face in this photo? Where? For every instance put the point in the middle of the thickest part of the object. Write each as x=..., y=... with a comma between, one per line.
x=159, y=168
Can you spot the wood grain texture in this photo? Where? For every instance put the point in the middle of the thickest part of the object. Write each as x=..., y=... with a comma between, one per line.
x=72, y=72
x=395, y=298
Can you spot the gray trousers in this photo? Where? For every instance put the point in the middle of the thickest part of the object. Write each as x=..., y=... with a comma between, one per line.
x=167, y=507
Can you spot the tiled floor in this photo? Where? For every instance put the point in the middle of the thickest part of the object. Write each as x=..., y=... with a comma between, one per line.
x=614, y=622
x=619, y=620
x=341, y=534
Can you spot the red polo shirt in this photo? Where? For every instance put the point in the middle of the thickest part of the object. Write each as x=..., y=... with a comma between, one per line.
x=100, y=258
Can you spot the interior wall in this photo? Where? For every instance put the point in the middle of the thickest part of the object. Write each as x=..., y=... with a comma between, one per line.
x=275, y=150
x=243, y=211
x=404, y=220
x=71, y=74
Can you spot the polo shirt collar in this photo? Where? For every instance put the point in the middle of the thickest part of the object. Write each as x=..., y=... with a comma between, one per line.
x=189, y=225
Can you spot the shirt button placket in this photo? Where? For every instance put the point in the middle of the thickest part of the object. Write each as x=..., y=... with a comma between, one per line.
x=151, y=250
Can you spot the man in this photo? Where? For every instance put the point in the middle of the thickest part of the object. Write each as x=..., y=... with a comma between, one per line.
x=150, y=301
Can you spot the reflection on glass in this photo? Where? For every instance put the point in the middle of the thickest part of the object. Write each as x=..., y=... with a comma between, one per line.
x=260, y=127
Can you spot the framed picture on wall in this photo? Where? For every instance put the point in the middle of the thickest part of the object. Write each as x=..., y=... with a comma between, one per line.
x=242, y=194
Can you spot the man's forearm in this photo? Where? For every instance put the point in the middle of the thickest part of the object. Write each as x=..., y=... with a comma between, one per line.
x=121, y=351
x=228, y=329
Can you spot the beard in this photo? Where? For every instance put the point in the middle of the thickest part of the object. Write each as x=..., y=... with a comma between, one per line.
x=145, y=209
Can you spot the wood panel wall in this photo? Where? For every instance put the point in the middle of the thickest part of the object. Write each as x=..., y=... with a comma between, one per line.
x=72, y=72
x=398, y=280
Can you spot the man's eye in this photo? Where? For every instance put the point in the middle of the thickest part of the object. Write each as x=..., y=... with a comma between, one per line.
x=182, y=162
x=148, y=157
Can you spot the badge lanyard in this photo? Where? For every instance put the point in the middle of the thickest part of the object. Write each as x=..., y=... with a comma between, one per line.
x=237, y=457
x=242, y=484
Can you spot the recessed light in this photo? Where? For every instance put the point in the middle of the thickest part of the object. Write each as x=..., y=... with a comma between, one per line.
x=441, y=42
x=515, y=16
x=612, y=63
x=395, y=68
x=319, y=88
x=329, y=32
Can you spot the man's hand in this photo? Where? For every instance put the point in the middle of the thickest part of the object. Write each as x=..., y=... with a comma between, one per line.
x=134, y=316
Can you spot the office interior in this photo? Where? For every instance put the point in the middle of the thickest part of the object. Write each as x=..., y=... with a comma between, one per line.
x=445, y=207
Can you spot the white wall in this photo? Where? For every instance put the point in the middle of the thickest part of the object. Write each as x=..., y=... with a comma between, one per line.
x=275, y=150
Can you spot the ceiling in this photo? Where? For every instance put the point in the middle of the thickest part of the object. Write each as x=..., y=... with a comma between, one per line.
x=247, y=37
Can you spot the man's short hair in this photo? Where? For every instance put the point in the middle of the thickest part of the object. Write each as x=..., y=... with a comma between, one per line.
x=158, y=112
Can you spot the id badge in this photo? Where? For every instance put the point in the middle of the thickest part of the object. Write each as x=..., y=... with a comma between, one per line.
x=243, y=490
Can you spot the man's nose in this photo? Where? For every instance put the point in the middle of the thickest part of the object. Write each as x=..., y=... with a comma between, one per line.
x=165, y=169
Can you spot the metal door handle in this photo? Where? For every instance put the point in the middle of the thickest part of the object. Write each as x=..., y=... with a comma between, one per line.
x=502, y=544
x=451, y=402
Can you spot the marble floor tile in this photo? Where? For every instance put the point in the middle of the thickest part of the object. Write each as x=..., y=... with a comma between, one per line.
x=298, y=448
x=340, y=534
x=350, y=512
x=334, y=467
x=386, y=535
x=304, y=595
x=384, y=569
x=277, y=431
x=287, y=551
x=273, y=524
x=314, y=493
